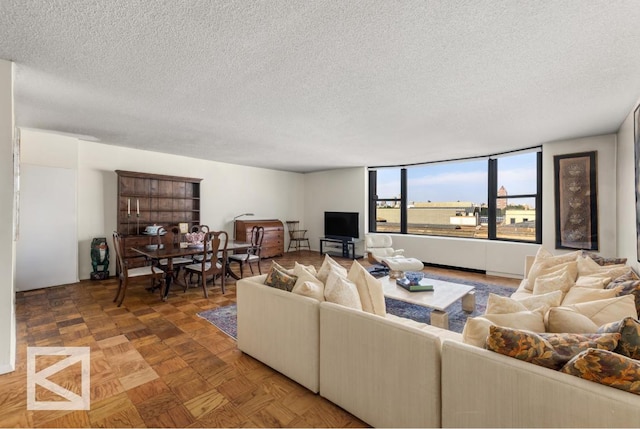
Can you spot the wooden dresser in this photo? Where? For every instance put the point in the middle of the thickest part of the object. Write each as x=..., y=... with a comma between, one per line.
x=273, y=242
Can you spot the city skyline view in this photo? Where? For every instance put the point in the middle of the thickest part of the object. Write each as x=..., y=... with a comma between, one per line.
x=462, y=180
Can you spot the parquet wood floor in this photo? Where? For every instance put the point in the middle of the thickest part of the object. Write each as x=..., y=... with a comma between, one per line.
x=157, y=364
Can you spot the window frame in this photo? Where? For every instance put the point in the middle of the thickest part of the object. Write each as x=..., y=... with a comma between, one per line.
x=492, y=195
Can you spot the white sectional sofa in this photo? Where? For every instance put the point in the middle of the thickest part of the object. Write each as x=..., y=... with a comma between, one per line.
x=280, y=329
x=394, y=372
x=384, y=370
x=481, y=388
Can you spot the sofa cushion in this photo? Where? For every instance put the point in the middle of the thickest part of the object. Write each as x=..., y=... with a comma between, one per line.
x=307, y=284
x=605, y=367
x=607, y=310
x=280, y=279
x=629, y=330
x=586, y=317
x=304, y=274
x=311, y=289
x=531, y=302
x=281, y=268
x=604, y=261
x=628, y=285
x=497, y=304
x=369, y=289
x=535, y=348
x=562, y=279
x=476, y=329
x=326, y=267
x=588, y=267
x=545, y=263
x=585, y=294
x=564, y=319
x=593, y=282
x=309, y=268
x=340, y=290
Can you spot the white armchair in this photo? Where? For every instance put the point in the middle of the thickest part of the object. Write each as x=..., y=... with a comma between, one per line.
x=379, y=246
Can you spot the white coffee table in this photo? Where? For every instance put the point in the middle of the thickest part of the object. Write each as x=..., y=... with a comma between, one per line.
x=442, y=297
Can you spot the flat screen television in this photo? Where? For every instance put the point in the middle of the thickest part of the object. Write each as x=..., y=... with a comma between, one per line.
x=341, y=225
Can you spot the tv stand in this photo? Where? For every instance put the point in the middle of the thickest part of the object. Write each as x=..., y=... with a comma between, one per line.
x=346, y=248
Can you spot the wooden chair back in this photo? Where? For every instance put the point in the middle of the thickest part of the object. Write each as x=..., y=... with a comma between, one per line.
x=257, y=235
x=121, y=267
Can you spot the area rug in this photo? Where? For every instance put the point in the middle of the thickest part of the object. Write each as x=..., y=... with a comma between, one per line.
x=224, y=318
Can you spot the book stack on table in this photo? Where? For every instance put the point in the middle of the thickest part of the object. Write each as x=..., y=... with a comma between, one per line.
x=421, y=286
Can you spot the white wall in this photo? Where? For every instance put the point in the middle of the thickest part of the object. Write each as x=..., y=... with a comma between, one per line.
x=346, y=190
x=7, y=210
x=227, y=190
x=341, y=190
x=625, y=187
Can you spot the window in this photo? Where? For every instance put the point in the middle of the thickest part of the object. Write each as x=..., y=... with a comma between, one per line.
x=444, y=198
x=386, y=199
x=496, y=197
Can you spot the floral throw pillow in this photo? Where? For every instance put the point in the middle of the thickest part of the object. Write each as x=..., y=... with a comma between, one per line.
x=627, y=285
x=604, y=261
x=553, y=352
x=280, y=279
x=629, y=330
x=606, y=367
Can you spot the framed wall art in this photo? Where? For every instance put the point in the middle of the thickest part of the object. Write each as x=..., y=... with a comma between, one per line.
x=636, y=150
x=576, y=201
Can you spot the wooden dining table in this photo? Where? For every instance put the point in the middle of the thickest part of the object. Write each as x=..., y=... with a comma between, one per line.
x=169, y=251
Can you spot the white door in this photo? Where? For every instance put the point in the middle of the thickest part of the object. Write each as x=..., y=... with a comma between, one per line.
x=47, y=247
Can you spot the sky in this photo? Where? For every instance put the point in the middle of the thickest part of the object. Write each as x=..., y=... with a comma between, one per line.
x=462, y=180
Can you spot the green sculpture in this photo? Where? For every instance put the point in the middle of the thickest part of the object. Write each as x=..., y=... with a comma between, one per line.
x=99, y=257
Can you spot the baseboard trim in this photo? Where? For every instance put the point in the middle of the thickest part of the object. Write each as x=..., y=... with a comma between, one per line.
x=450, y=267
x=7, y=368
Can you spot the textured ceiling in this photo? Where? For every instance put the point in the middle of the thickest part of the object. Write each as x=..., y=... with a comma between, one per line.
x=313, y=85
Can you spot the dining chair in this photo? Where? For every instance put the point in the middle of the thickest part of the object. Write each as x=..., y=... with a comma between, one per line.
x=153, y=273
x=170, y=236
x=215, y=241
x=204, y=229
x=253, y=253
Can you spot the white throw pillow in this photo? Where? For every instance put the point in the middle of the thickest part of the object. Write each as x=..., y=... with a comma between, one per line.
x=339, y=290
x=608, y=310
x=307, y=284
x=593, y=282
x=369, y=289
x=565, y=319
x=327, y=264
x=561, y=280
x=531, y=302
x=589, y=267
x=544, y=263
x=585, y=294
x=311, y=289
x=310, y=268
x=476, y=329
x=497, y=304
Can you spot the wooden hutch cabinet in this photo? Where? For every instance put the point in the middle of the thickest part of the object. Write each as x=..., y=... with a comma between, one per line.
x=146, y=199
x=273, y=241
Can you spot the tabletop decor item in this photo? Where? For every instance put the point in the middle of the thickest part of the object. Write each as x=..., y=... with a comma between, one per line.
x=99, y=257
x=414, y=277
x=195, y=239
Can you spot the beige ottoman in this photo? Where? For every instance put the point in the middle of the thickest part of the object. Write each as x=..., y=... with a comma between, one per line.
x=399, y=264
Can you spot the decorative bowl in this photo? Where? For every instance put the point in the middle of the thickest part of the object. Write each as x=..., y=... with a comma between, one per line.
x=414, y=277
x=154, y=229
